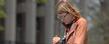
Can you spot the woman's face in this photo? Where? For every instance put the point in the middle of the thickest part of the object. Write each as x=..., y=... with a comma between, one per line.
x=65, y=17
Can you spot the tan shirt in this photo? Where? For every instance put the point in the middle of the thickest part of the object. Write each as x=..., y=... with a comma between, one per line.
x=77, y=33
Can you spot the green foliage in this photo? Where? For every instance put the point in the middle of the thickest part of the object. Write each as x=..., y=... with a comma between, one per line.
x=2, y=12
x=1, y=28
x=2, y=2
x=41, y=1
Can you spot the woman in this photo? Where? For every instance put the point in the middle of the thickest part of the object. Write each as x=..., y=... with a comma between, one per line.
x=75, y=25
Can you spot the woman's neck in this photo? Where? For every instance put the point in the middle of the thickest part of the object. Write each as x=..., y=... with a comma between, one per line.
x=68, y=26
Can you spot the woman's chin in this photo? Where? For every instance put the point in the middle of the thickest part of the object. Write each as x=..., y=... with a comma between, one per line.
x=66, y=23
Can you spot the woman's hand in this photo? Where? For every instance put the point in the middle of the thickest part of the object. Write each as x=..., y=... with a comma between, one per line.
x=55, y=39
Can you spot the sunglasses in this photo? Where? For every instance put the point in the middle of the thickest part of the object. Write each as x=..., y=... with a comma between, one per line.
x=62, y=15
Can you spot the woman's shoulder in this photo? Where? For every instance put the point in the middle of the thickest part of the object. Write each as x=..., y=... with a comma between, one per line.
x=82, y=20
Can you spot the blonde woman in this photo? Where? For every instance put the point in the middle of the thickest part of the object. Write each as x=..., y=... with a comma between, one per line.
x=74, y=23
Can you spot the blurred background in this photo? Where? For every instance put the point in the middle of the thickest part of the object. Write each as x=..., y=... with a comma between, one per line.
x=34, y=21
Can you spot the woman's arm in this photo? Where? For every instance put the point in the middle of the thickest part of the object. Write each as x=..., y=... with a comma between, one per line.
x=80, y=37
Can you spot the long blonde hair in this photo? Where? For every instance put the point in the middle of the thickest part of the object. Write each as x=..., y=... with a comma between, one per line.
x=67, y=7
